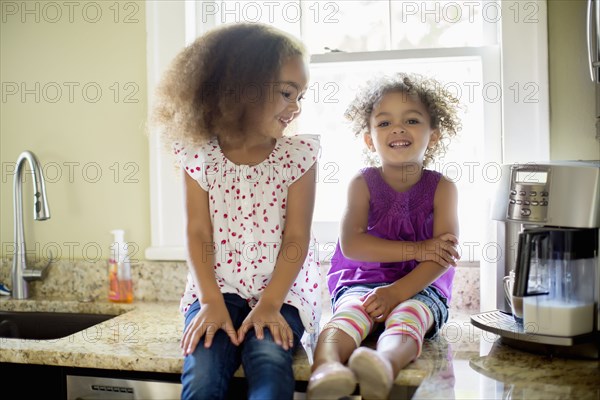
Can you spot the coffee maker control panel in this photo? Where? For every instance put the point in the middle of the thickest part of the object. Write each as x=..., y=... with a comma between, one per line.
x=529, y=193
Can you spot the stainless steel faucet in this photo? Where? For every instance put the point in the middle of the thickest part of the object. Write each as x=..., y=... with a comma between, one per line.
x=20, y=273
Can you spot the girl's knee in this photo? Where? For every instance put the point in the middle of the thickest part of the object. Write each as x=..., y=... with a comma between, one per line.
x=267, y=348
x=411, y=312
x=342, y=332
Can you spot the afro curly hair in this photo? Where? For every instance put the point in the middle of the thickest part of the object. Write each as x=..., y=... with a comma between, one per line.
x=203, y=93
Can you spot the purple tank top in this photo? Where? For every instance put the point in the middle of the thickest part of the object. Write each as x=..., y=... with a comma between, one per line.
x=406, y=216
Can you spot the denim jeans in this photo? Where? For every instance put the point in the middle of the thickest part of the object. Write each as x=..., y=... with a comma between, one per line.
x=207, y=373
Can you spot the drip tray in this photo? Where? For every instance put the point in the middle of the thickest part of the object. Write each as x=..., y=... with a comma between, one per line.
x=516, y=335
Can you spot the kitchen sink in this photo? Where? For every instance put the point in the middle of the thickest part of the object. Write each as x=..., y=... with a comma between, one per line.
x=46, y=325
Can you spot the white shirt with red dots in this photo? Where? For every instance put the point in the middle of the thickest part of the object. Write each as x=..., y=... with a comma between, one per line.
x=248, y=209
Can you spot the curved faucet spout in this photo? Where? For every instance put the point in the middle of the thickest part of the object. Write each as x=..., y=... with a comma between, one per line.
x=41, y=212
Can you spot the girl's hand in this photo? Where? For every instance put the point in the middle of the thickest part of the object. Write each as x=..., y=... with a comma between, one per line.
x=379, y=302
x=267, y=315
x=441, y=249
x=207, y=322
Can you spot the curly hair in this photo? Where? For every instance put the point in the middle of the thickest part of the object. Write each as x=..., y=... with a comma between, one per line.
x=210, y=87
x=441, y=105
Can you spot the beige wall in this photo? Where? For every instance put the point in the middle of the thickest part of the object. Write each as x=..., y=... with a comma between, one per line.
x=572, y=98
x=77, y=133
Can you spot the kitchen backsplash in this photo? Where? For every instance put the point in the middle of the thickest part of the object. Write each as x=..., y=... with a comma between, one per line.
x=88, y=281
x=165, y=281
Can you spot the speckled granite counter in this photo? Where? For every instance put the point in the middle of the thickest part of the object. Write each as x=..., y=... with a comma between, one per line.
x=472, y=364
x=462, y=363
x=143, y=336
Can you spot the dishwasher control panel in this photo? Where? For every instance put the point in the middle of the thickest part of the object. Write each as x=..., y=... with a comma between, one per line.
x=95, y=388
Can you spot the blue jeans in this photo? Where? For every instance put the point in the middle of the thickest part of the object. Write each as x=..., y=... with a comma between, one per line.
x=207, y=373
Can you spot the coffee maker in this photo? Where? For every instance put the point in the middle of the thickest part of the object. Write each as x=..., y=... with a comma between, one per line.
x=547, y=217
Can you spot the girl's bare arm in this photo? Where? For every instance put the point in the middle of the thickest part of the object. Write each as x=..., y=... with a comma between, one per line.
x=213, y=314
x=200, y=255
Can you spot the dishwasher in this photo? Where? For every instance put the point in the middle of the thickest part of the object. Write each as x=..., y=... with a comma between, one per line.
x=100, y=388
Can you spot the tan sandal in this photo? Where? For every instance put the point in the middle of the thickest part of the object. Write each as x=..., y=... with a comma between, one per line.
x=331, y=380
x=374, y=373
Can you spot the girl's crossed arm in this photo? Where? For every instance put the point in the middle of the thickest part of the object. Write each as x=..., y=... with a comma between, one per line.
x=292, y=253
x=213, y=314
x=357, y=244
x=435, y=255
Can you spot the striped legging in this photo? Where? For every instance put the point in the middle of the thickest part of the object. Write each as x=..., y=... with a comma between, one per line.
x=411, y=318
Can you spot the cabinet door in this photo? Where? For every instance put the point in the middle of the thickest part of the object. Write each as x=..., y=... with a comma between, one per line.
x=42, y=381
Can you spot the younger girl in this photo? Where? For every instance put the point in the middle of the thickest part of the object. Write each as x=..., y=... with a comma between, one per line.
x=390, y=270
x=252, y=286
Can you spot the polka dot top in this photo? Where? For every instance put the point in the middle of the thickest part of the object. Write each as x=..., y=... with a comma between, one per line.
x=247, y=209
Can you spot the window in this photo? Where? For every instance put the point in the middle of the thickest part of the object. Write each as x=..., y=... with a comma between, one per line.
x=491, y=54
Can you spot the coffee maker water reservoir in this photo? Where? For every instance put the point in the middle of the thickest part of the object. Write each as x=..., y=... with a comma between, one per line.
x=555, y=275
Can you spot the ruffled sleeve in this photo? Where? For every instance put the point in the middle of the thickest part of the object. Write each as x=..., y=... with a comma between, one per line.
x=200, y=162
x=300, y=153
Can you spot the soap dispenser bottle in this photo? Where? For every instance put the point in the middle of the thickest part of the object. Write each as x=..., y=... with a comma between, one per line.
x=120, y=287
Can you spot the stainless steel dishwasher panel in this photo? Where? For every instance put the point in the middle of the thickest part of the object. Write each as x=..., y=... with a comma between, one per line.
x=99, y=388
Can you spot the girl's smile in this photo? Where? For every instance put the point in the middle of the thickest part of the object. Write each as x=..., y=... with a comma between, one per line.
x=400, y=143
x=287, y=119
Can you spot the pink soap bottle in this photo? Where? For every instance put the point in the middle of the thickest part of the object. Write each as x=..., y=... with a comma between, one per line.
x=120, y=286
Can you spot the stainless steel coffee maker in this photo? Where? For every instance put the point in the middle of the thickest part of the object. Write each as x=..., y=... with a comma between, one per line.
x=548, y=220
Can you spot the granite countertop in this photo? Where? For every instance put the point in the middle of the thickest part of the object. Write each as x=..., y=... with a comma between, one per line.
x=462, y=363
